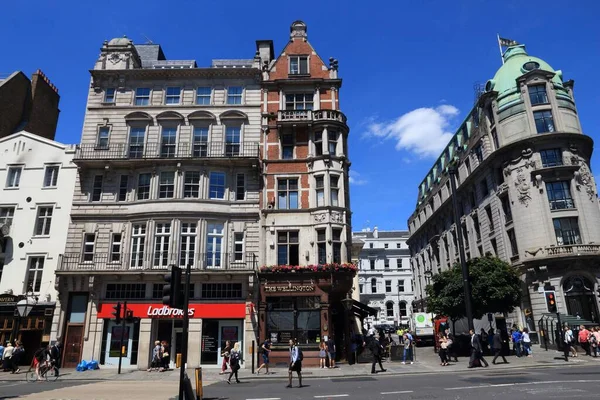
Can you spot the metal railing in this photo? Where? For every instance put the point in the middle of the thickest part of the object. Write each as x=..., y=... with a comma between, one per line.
x=310, y=116
x=573, y=249
x=562, y=204
x=159, y=150
x=157, y=261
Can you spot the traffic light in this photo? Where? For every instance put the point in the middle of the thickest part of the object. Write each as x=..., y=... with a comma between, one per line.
x=117, y=312
x=551, y=302
x=172, y=289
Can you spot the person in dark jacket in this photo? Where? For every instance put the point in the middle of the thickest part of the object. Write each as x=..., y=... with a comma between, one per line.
x=377, y=350
x=476, y=351
x=497, y=345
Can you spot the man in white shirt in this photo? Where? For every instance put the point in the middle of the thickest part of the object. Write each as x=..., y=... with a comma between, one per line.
x=295, y=363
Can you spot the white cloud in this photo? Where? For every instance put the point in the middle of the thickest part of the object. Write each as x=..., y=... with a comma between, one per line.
x=355, y=178
x=424, y=131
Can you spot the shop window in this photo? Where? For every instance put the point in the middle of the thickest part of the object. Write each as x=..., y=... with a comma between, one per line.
x=288, y=248
x=295, y=317
x=321, y=246
x=221, y=291
x=125, y=291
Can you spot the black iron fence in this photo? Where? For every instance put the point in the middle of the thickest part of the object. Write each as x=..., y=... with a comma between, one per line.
x=156, y=261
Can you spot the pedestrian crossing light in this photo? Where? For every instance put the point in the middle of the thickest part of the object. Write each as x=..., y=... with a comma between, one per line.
x=117, y=312
x=551, y=302
x=172, y=293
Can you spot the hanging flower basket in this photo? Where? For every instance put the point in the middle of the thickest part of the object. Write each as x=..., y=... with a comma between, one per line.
x=308, y=268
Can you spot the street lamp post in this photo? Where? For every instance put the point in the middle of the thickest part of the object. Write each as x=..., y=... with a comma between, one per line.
x=461, y=249
x=23, y=308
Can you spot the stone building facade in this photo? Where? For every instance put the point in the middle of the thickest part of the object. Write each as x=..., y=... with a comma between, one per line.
x=525, y=191
x=168, y=174
x=37, y=178
x=385, y=276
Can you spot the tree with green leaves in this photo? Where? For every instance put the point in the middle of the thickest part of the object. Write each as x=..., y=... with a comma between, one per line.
x=496, y=287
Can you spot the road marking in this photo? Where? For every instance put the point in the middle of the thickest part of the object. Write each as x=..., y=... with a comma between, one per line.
x=267, y=398
x=519, y=384
x=331, y=395
x=400, y=392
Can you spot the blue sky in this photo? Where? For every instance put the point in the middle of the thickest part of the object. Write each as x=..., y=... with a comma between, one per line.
x=403, y=63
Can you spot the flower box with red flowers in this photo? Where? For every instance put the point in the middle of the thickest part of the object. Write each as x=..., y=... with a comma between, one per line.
x=348, y=268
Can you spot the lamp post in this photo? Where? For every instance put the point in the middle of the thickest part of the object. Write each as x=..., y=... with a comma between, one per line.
x=461, y=249
x=347, y=303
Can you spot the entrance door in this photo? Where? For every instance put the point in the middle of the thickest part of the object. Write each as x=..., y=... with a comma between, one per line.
x=580, y=298
x=232, y=331
x=72, y=347
x=113, y=342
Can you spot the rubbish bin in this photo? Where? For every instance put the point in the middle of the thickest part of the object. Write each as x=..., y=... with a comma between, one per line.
x=178, y=360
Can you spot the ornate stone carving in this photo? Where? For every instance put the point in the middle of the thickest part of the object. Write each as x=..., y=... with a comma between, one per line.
x=533, y=252
x=584, y=178
x=525, y=154
x=115, y=58
x=320, y=217
x=336, y=217
x=523, y=187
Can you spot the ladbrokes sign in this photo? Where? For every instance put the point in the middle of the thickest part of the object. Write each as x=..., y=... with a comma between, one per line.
x=166, y=311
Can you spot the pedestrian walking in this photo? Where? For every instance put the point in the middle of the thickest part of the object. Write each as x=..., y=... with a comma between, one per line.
x=296, y=358
x=526, y=343
x=331, y=351
x=266, y=351
x=516, y=339
x=322, y=355
x=225, y=353
x=407, y=354
x=16, y=357
x=595, y=340
x=165, y=356
x=155, y=363
x=569, y=334
x=443, y=352
x=484, y=341
x=377, y=350
x=476, y=351
x=497, y=345
x=584, y=336
x=7, y=356
x=567, y=339
x=235, y=358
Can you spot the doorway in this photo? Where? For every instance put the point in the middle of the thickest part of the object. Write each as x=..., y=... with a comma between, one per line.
x=229, y=330
x=113, y=343
x=580, y=298
x=170, y=331
x=72, y=346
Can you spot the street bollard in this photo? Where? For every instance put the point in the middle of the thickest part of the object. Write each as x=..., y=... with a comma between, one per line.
x=199, y=391
x=252, y=356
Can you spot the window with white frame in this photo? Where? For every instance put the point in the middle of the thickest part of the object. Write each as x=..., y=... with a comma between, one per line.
x=321, y=246
x=51, y=175
x=191, y=184
x=142, y=96
x=35, y=272
x=320, y=191
x=13, y=177
x=89, y=240
x=123, y=188
x=109, y=95
x=136, y=141
x=138, y=244
x=214, y=245
x=332, y=139
x=372, y=265
x=6, y=215
x=162, y=237
x=173, y=95
x=200, y=141
x=238, y=246
x=203, y=95
x=298, y=65
x=333, y=187
x=374, y=285
x=288, y=250
x=102, y=139
x=116, y=245
x=389, y=308
x=318, y=142
x=388, y=286
x=187, y=243
x=287, y=194
x=386, y=264
x=168, y=141
x=402, y=309
x=401, y=286
x=240, y=187
x=336, y=237
x=216, y=185
x=234, y=95
x=143, y=186
x=97, y=188
x=43, y=221
x=166, y=185
x=299, y=101
x=232, y=140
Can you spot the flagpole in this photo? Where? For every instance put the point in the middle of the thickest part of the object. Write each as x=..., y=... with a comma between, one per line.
x=500, y=47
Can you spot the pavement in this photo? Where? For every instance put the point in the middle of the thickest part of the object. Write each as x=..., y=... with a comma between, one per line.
x=105, y=383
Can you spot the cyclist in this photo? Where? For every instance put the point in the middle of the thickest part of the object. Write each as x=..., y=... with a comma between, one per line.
x=40, y=358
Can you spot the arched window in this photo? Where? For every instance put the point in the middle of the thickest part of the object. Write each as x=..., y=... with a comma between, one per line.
x=374, y=285
x=389, y=308
x=402, y=308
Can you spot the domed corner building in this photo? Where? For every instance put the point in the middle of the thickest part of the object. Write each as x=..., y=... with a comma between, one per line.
x=525, y=194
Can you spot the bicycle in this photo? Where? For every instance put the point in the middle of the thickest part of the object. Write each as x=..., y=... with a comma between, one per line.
x=48, y=371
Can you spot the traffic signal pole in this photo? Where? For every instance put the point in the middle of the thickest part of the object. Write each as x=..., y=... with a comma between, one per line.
x=122, y=334
x=186, y=323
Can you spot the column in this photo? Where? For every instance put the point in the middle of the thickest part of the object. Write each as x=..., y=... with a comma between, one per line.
x=144, y=343
x=194, y=342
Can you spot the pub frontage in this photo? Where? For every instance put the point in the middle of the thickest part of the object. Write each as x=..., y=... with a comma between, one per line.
x=309, y=304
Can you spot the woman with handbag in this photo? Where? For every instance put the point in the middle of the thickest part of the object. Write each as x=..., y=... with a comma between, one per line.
x=166, y=359
x=235, y=358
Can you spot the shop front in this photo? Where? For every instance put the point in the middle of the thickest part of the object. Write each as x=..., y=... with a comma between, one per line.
x=305, y=306
x=210, y=326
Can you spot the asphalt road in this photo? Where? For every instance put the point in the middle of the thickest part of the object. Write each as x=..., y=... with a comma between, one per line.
x=15, y=389
x=530, y=384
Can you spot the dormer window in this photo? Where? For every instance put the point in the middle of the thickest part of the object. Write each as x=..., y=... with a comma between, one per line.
x=299, y=65
x=531, y=65
x=538, y=95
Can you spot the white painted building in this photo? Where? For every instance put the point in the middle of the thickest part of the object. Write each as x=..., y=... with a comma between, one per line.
x=37, y=178
x=384, y=275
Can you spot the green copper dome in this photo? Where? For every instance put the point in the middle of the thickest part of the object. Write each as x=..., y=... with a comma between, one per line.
x=517, y=63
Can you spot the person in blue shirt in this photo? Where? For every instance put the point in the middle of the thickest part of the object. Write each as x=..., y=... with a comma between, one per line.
x=516, y=339
x=295, y=363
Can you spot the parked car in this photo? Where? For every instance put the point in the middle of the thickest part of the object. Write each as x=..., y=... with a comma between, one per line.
x=386, y=328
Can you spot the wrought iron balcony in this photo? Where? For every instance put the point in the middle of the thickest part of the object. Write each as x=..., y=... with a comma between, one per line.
x=161, y=150
x=159, y=261
x=310, y=116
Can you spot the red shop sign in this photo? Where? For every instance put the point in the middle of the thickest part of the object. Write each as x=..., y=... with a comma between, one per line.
x=156, y=310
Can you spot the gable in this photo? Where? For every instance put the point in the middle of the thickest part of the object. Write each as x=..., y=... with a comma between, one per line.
x=298, y=46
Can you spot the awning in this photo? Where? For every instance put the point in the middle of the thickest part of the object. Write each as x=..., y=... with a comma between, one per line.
x=361, y=310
